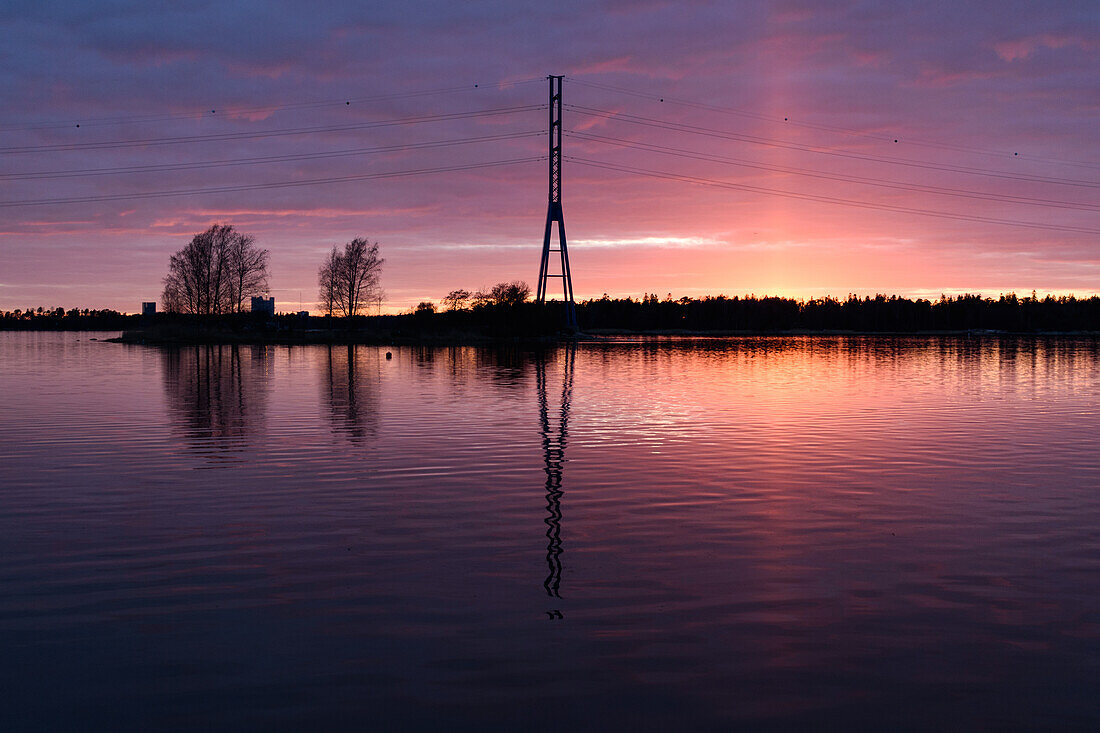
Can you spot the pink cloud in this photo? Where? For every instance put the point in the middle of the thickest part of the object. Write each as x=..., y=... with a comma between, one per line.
x=937, y=77
x=1022, y=48
x=622, y=63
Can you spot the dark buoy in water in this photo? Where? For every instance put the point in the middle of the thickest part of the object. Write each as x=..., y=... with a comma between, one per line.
x=389, y=355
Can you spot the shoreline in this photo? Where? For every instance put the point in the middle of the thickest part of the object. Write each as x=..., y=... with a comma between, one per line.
x=595, y=336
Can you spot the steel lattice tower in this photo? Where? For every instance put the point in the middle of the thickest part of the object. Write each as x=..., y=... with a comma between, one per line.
x=554, y=212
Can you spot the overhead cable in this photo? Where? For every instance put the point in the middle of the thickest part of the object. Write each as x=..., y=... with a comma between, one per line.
x=266, y=186
x=651, y=96
x=666, y=175
x=280, y=132
x=771, y=142
x=162, y=167
x=864, y=180
x=231, y=111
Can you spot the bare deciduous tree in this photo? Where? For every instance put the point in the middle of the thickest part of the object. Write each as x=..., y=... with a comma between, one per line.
x=361, y=271
x=511, y=293
x=215, y=273
x=480, y=298
x=247, y=266
x=349, y=280
x=456, y=300
x=328, y=278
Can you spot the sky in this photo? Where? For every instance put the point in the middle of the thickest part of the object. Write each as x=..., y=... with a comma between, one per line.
x=803, y=149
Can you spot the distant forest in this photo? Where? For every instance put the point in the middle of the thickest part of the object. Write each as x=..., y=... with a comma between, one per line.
x=59, y=319
x=880, y=314
x=870, y=314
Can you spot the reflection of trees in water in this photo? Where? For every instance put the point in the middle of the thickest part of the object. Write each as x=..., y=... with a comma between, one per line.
x=217, y=391
x=554, y=429
x=352, y=390
x=475, y=367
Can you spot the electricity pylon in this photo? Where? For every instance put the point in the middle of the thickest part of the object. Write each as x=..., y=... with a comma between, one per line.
x=554, y=212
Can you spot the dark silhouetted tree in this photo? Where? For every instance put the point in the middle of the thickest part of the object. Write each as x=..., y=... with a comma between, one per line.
x=215, y=273
x=512, y=293
x=350, y=280
x=456, y=300
x=328, y=278
x=247, y=265
x=480, y=298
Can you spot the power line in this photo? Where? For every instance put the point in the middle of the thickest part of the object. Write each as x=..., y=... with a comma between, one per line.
x=114, y=144
x=828, y=199
x=164, y=167
x=896, y=185
x=230, y=111
x=771, y=142
x=265, y=186
x=830, y=128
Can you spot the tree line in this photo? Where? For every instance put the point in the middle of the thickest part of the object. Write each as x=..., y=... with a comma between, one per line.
x=505, y=308
x=505, y=294
x=60, y=319
x=878, y=313
x=511, y=312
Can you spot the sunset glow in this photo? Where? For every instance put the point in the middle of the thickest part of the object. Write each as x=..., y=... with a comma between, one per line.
x=834, y=148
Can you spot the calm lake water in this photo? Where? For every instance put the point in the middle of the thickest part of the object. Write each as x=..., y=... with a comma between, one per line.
x=768, y=533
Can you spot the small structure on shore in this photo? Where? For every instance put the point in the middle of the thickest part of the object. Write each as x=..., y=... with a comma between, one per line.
x=149, y=308
x=265, y=306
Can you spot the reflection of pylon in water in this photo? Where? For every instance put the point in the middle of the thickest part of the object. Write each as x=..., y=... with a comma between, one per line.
x=554, y=213
x=554, y=433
